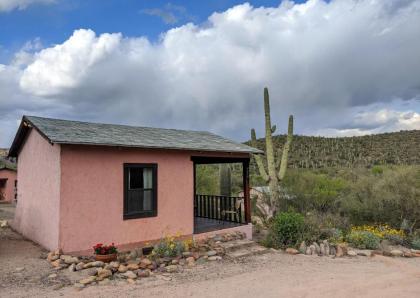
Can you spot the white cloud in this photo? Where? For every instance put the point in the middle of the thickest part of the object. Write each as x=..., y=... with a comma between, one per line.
x=376, y=118
x=9, y=5
x=385, y=120
x=386, y=117
x=321, y=61
x=63, y=66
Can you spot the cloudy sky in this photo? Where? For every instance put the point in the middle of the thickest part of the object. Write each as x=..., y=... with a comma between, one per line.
x=342, y=67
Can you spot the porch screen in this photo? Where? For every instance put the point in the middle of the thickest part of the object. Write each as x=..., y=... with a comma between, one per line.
x=140, y=193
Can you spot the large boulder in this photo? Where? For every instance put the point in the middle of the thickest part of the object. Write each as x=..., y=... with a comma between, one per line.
x=351, y=253
x=302, y=247
x=292, y=251
x=396, y=253
x=317, y=248
x=171, y=268
x=322, y=249
x=69, y=259
x=144, y=263
x=104, y=273
x=130, y=275
x=87, y=280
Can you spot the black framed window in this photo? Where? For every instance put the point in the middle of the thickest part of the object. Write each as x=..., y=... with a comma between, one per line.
x=140, y=190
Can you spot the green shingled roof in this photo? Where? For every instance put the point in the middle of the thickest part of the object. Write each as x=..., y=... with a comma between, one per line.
x=75, y=132
x=7, y=164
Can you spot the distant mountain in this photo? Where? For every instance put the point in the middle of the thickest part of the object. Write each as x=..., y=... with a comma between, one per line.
x=396, y=148
x=3, y=152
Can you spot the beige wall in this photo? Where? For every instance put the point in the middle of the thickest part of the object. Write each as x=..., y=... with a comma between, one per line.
x=37, y=211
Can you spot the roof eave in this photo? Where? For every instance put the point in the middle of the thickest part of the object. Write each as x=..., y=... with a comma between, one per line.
x=24, y=128
x=18, y=139
x=256, y=151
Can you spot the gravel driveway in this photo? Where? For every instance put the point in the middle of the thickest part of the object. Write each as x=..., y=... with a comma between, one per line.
x=24, y=274
x=271, y=275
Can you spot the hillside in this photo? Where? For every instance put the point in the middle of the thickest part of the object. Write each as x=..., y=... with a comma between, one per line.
x=3, y=152
x=396, y=148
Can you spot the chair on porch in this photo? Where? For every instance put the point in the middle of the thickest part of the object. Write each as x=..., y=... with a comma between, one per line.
x=234, y=210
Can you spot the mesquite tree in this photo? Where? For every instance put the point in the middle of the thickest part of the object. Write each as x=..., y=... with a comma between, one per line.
x=276, y=169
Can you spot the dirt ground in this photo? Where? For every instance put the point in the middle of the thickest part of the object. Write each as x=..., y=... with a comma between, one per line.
x=24, y=274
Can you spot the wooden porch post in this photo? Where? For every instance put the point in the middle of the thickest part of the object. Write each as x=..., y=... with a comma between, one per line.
x=247, y=198
x=195, y=188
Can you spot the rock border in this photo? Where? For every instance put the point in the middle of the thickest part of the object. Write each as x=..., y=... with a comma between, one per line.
x=133, y=265
x=325, y=248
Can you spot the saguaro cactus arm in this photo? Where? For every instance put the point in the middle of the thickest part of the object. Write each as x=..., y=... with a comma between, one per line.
x=258, y=158
x=273, y=181
x=285, y=155
x=271, y=166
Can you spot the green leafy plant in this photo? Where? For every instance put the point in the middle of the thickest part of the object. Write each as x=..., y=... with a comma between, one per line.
x=363, y=239
x=415, y=243
x=287, y=229
x=396, y=239
x=336, y=236
x=169, y=246
x=377, y=170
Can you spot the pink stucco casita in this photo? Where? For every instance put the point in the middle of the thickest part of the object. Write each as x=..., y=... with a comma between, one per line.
x=38, y=193
x=7, y=185
x=70, y=196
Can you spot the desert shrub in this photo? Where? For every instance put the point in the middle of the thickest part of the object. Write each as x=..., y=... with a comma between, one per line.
x=169, y=246
x=415, y=243
x=363, y=239
x=311, y=230
x=336, y=236
x=320, y=226
x=397, y=239
x=377, y=170
x=392, y=197
x=313, y=191
x=286, y=229
x=395, y=236
x=339, y=198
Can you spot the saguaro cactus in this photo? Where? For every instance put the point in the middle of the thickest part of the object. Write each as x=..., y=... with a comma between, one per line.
x=225, y=180
x=275, y=170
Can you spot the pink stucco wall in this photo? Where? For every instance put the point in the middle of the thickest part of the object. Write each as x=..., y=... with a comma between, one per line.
x=37, y=210
x=92, y=196
x=71, y=196
x=8, y=189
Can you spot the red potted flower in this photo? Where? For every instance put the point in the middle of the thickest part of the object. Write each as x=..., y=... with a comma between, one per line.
x=105, y=253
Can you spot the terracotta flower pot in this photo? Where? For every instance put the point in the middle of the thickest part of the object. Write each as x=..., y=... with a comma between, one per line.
x=106, y=258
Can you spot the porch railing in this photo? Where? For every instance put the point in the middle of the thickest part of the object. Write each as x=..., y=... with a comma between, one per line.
x=221, y=208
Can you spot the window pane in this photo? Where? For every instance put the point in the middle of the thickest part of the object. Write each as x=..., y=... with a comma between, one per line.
x=135, y=176
x=147, y=178
x=140, y=196
x=147, y=200
x=135, y=197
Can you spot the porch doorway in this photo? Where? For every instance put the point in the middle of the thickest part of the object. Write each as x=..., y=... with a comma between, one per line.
x=214, y=210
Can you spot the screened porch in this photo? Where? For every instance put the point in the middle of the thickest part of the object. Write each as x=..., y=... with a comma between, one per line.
x=221, y=211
